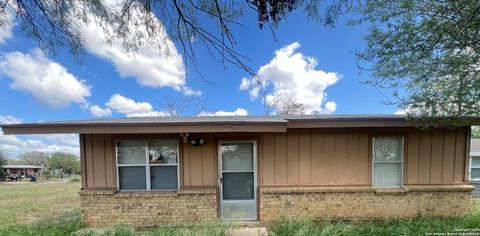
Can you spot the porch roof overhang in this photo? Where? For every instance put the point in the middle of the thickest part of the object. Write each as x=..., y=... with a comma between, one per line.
x=208, y=124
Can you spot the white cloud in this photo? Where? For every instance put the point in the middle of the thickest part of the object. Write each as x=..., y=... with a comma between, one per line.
x=61, y=139
x=130, y=107
x=329, y=107
x=15, y=145
x=187, y=91
x=97, y=111
x=151, y=66
x=237, y=112
x=9, y=120
x=291, y=74
x=49, y=82
x=6, y=29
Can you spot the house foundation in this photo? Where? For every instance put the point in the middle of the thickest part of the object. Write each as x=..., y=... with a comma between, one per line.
x=102, y=208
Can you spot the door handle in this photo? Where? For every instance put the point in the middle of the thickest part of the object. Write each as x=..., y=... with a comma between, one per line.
x=220, y=181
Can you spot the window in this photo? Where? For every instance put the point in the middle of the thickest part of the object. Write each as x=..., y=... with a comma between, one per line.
x=387, y=161
x=475, y=168
x=147, y=164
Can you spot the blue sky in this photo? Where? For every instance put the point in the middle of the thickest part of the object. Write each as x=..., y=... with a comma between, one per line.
x=310, y=63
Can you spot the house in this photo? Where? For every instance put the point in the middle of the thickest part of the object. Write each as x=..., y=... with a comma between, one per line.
x=475, y=165
x=157, y=170
x=22, y=171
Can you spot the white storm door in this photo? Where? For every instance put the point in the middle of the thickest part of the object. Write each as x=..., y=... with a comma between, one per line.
x=238, y=182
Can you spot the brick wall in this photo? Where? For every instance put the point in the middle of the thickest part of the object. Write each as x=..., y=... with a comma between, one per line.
x=364, y=202
x=476, y=184
x=191, y=205
x=101, y=207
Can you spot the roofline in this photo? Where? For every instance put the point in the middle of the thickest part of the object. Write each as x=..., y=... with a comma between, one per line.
x=143, y=128
x=277, y=124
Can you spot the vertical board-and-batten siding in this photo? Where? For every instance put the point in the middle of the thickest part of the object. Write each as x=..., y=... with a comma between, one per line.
x=301, y=157
x=98, y=161
x=315, y=157
x=343, y=156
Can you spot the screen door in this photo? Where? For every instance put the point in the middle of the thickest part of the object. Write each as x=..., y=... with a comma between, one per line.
x=238, y=181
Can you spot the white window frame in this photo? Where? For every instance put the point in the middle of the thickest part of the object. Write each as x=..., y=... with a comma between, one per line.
x=388, y=162
x=475, y=155
x=147, y=165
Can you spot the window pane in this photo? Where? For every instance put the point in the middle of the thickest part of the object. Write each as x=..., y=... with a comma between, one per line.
x=475, y=173
x=132, y=178
x=387, y=149
x=238, y=186
x=163, y=152
x=131, y=152
x=163, y=177
x=387, y=174
x=237, y=157
x=476, y=162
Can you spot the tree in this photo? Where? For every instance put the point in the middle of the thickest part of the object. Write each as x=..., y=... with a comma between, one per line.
x=183, y=105
x=3, y=162
x=12, y=161
x=428, y=52
x=282, y=105
x=34, y=158
x=67, y=163
x=476, y=132
x=59, y=23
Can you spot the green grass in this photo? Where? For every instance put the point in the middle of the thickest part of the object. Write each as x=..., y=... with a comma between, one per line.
x=417, y=226
x=209, y=229
x=63, y=224
x=39, y=207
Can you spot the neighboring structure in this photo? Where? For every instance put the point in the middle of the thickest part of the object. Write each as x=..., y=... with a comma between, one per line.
x=475, y=165
x=22, y=171
x=156, y=170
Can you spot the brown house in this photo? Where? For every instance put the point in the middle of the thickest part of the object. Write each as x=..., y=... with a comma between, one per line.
x=22, y=171
x=155, y=170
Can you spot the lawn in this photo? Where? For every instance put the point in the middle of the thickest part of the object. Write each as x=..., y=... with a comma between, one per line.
x=33, y=204
x=468, y=225
x=52, y=208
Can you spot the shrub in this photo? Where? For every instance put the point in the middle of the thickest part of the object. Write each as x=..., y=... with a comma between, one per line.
x=47, y=174
x=75, y=178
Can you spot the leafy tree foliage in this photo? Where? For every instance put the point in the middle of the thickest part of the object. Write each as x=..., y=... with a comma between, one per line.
x=428, y=52
x=34, y=158
x=3, y=162
x=14, y=161
x=67, y=163
x=476, y=132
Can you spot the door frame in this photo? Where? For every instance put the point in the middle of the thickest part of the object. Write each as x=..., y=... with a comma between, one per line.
x=220, y=176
